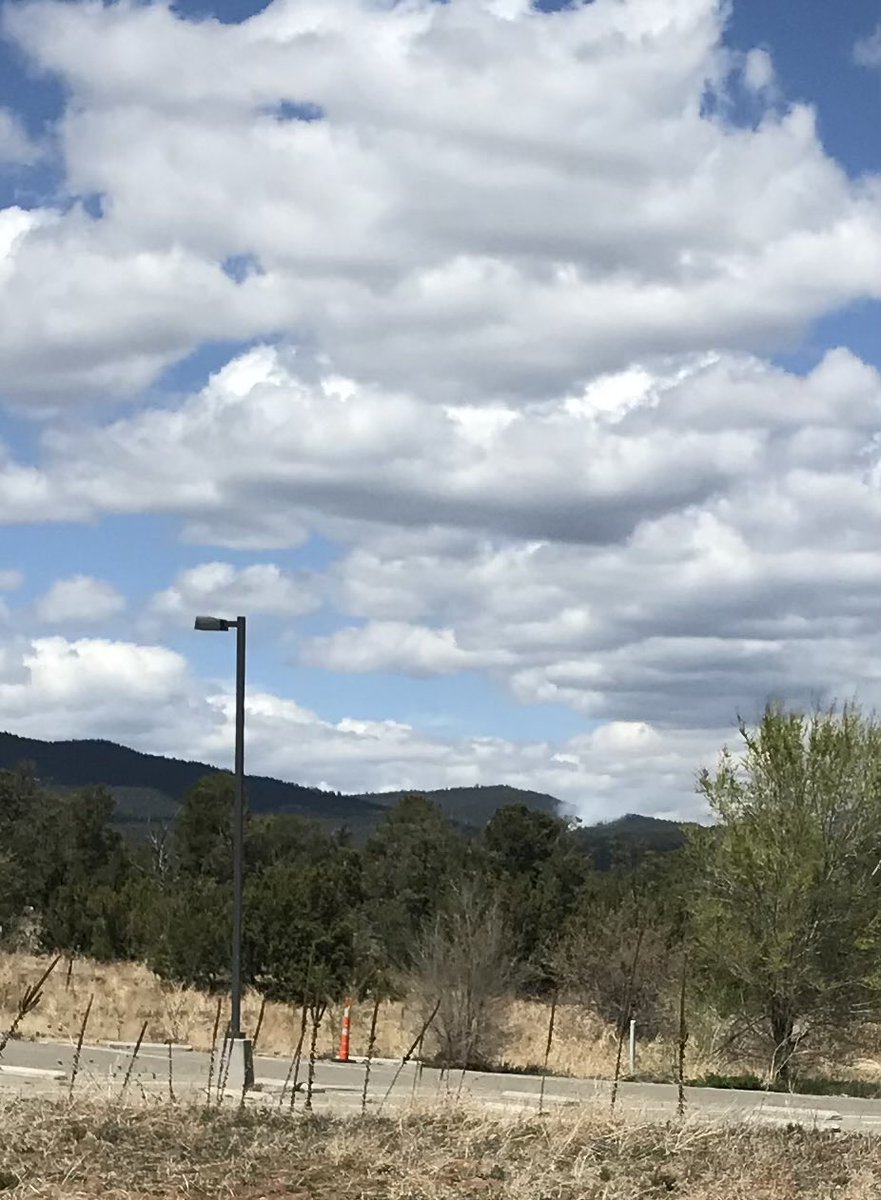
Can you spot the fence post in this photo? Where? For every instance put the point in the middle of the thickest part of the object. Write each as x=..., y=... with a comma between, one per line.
x=632, y=1058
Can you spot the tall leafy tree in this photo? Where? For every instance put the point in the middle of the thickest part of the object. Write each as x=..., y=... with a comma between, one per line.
x=410, y=862
x=182, y=891
x=533, y=864
x=83, y=906
x=789, y=926
x=287, y=838
x=20, y=801
x=301, y=926
x=202, y=832
x=186, y=930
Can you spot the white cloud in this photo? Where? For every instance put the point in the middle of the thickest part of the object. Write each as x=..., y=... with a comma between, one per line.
x=79, y=600
x=94, y=315
x=268, y=440
x=144, y=696
x=56, y=688
x=514, y=378
x=397, y=646
x=674, y=543
x=758, y=70
x=697, y=616
x=218, y=587
x=10, y=579
x=444, y=229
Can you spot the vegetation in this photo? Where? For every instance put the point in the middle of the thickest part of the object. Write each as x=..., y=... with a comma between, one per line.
x=789, y=917
x=866, y=1089
x=165, y=1151
x=148, y=789
x=769, y=921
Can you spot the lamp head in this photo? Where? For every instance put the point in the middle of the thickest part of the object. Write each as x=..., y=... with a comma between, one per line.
x=213, y=624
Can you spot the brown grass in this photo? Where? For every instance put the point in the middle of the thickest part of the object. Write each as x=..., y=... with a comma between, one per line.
x=128, y=994
x=52, y=1150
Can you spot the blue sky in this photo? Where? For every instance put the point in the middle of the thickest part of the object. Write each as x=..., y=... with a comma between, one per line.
x=585, y=355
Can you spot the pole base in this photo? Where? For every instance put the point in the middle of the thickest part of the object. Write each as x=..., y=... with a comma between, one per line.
x=240, y=1076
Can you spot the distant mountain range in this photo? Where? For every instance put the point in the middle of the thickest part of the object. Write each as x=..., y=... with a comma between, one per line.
x=148, y=788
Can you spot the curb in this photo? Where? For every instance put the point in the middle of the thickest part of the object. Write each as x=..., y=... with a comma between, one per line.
x=33, y=1072
x=180, y=1047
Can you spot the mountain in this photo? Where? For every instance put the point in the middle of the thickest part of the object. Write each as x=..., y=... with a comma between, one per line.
x=629, y=838
x=148, y=787
x=472, y=806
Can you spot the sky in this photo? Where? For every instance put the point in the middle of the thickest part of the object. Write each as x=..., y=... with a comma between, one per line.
x=513, y=367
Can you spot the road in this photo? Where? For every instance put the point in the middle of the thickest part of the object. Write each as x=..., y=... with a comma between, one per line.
x=31, y=1068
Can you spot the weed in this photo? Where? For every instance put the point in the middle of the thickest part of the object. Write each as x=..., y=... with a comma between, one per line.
x=165, y=1152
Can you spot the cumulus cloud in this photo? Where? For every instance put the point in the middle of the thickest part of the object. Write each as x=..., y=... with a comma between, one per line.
x=508, y=362
x=55, y=688
x=272, y=434
x=80, y=600
x=145, y=696
x=221, y=588
x=440, y=227
x=93, y=315
x=10, y=579
x=758, y=70
x=685, y=626
x=672, y=543
x=397, y=646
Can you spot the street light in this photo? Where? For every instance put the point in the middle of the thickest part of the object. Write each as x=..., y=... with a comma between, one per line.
x=240, y=1045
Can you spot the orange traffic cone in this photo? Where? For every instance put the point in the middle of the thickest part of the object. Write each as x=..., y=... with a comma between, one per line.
x=345, y=1035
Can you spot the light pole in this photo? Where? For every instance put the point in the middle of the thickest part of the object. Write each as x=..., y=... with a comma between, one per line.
x=241, y=1054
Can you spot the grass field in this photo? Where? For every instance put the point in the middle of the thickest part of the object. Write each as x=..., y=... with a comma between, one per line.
x=124, y=995
x=164, y=1151
x=127, y=994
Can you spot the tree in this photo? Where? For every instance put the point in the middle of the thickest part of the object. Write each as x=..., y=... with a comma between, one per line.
x=202, y=833
x=533, y=864
x=464, y=966
x=301, y=922
x=410, y=862
x=186, y=930
x=518, y=840
x=19, y=798
x=788, y=927
x=286, y=838
x=82, y=905
x=617, y=951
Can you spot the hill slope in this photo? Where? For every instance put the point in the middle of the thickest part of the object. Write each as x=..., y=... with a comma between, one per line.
x=149, y=787
x=472, y=806
x=629, y=838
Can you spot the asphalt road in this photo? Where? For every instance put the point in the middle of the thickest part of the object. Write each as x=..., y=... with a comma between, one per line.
x=31, y=1068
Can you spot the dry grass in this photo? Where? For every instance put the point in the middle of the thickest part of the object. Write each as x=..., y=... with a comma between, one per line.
x=127, y=994
x=161, y=1151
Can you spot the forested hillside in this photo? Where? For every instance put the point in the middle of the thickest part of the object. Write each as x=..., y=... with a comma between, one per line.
x=768, y=921
x=150, y=788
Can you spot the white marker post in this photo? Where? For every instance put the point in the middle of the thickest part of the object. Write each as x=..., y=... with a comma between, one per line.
x=632, y=1060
